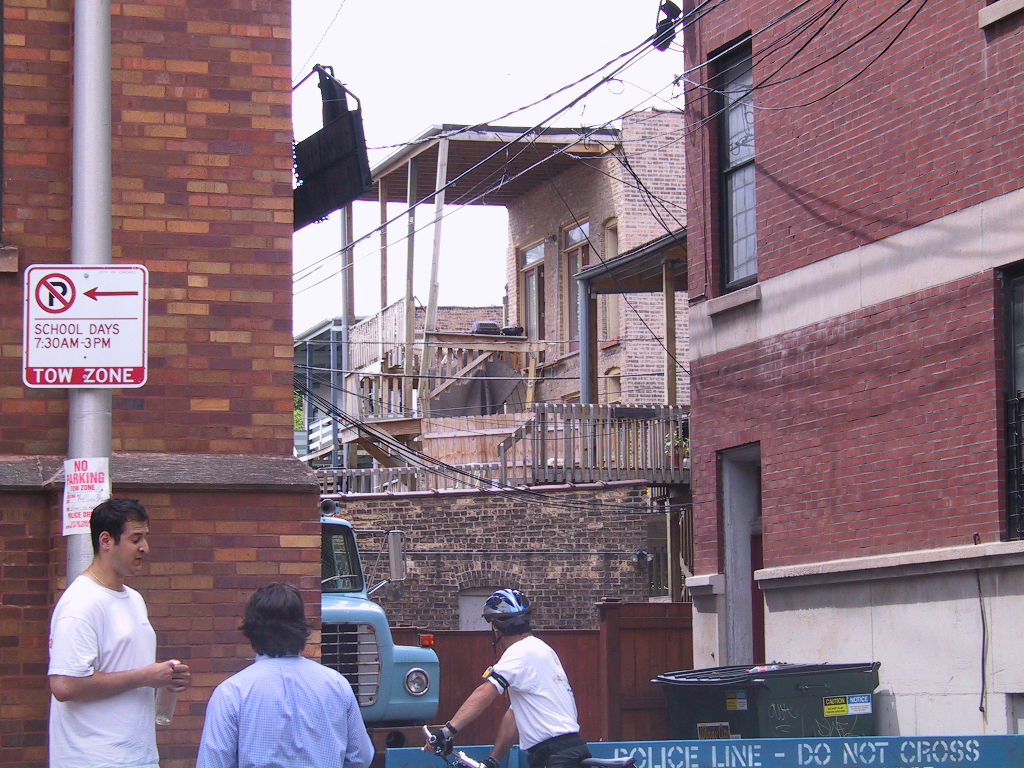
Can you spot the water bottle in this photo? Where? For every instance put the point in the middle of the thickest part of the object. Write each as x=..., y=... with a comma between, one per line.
x=166, y=699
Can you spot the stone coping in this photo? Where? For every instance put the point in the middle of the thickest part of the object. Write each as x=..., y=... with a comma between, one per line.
x=494, y=491
x=924, y=562
x=198, y=471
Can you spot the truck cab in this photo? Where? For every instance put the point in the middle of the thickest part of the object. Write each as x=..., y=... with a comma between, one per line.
x=396, y=685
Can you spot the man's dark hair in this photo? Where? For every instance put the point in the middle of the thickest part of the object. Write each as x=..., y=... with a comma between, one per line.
x=111, y=515
x=275, y=620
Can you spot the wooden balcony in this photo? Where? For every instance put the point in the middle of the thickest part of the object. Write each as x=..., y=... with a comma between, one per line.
x=551, y=444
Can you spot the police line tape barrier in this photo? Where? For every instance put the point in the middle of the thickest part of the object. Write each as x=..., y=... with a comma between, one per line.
x=874, y=751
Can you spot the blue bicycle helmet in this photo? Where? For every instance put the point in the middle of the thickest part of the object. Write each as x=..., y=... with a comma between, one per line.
x=508, y=610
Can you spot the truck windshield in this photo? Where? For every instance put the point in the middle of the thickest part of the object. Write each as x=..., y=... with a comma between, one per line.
x=339, y=560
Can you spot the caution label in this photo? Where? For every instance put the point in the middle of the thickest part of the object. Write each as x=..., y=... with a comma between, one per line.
x=838, y=706
x=736, y=700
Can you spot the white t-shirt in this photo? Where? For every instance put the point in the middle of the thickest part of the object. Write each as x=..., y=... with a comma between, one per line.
x=538, y=689
x=95, y=629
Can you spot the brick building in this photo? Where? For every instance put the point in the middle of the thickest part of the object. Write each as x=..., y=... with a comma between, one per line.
x=565, y=547
x=201, y=197
x=855, y=255
x=590, y=213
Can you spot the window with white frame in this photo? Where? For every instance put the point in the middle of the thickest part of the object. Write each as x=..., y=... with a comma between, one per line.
x=575, y=256
x=739, y=251
x=531, y=302
x=609, y=310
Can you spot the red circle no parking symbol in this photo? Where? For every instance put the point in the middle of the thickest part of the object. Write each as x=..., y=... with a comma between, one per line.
x=55, y=293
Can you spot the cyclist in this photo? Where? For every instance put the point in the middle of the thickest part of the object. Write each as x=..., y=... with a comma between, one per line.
x=542, y=710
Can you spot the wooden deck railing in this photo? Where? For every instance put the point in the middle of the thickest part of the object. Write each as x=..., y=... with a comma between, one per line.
x=560, y=444
x=581, y=443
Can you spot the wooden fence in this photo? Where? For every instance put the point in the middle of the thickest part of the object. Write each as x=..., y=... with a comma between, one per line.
x=584, y=443
x=610, y=670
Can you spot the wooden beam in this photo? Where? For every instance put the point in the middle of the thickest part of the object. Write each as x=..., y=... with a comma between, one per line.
x=383, y=244
x=531, y=380
x=430, y=322
x=410, y=309
x=480, y=359
x=669, y=289
x=377, y=452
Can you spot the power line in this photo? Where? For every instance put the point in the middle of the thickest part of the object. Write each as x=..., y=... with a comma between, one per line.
x=452, y=472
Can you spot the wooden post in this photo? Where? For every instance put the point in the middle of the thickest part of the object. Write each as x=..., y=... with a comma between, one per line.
x=383, y=195
x=669, y=289
x=430, y=322
x=410, y=310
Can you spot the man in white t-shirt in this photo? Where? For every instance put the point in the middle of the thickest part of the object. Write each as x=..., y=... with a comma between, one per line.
x=542, y=710
x=103, y=653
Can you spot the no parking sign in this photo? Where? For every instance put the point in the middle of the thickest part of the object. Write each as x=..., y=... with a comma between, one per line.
x=85, y=327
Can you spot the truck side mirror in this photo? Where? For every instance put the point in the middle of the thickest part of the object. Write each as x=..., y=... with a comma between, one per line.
x=396, y=555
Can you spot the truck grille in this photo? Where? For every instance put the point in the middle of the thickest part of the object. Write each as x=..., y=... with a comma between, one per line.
x=352, y=650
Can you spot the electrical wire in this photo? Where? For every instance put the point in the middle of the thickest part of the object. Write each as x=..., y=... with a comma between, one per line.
x=320, y=42
x=452, y=472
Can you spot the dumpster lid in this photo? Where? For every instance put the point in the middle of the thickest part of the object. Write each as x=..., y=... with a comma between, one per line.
x=747, y=674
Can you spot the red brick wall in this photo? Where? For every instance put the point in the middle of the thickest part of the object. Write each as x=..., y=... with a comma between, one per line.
x=24, y=627
x=209, y=550
x=879, y=431
x=927, y=130
x=201, y=196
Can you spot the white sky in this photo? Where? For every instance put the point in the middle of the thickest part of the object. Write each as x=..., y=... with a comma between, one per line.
x=417, y=64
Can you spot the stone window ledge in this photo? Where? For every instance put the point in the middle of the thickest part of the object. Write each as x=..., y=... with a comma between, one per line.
x=743, y=296
x=998, y=10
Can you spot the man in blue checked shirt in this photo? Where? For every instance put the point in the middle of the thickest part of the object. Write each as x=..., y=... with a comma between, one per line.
x=283, y=711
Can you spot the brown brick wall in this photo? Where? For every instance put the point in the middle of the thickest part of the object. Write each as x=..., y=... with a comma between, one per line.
x=598, y=190
x=559, y=557
x=209, y=551
x=460, y=319
x=201, y=196
x=926, y=130
x=879, y=431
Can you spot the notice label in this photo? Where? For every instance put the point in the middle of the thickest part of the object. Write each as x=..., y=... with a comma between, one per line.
x=838, y=706
x=736, y=700
x=86, y=484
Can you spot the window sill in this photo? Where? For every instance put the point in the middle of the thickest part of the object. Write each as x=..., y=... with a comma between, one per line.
x=609, y=344
x=743, y=296
x=997, y=11
x=8, y=258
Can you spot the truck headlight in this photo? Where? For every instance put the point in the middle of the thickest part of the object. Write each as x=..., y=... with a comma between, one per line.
x=417, y=682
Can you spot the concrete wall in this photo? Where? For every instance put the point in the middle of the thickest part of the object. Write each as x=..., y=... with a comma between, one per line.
x=921, y=615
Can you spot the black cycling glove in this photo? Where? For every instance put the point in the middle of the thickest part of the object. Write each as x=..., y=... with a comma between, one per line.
x=442, y=740
x=492, y=762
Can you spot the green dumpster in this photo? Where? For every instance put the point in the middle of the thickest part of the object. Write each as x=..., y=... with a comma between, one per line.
x=771, y=701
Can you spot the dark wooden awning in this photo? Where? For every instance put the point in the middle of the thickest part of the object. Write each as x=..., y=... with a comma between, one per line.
x=518, y=164
x=641, y=269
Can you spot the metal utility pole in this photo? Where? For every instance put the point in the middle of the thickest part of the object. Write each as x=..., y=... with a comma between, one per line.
x=89, y=410
x=347, y=321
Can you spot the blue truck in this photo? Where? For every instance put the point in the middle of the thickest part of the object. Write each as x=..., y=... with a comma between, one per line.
x=396, y=685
